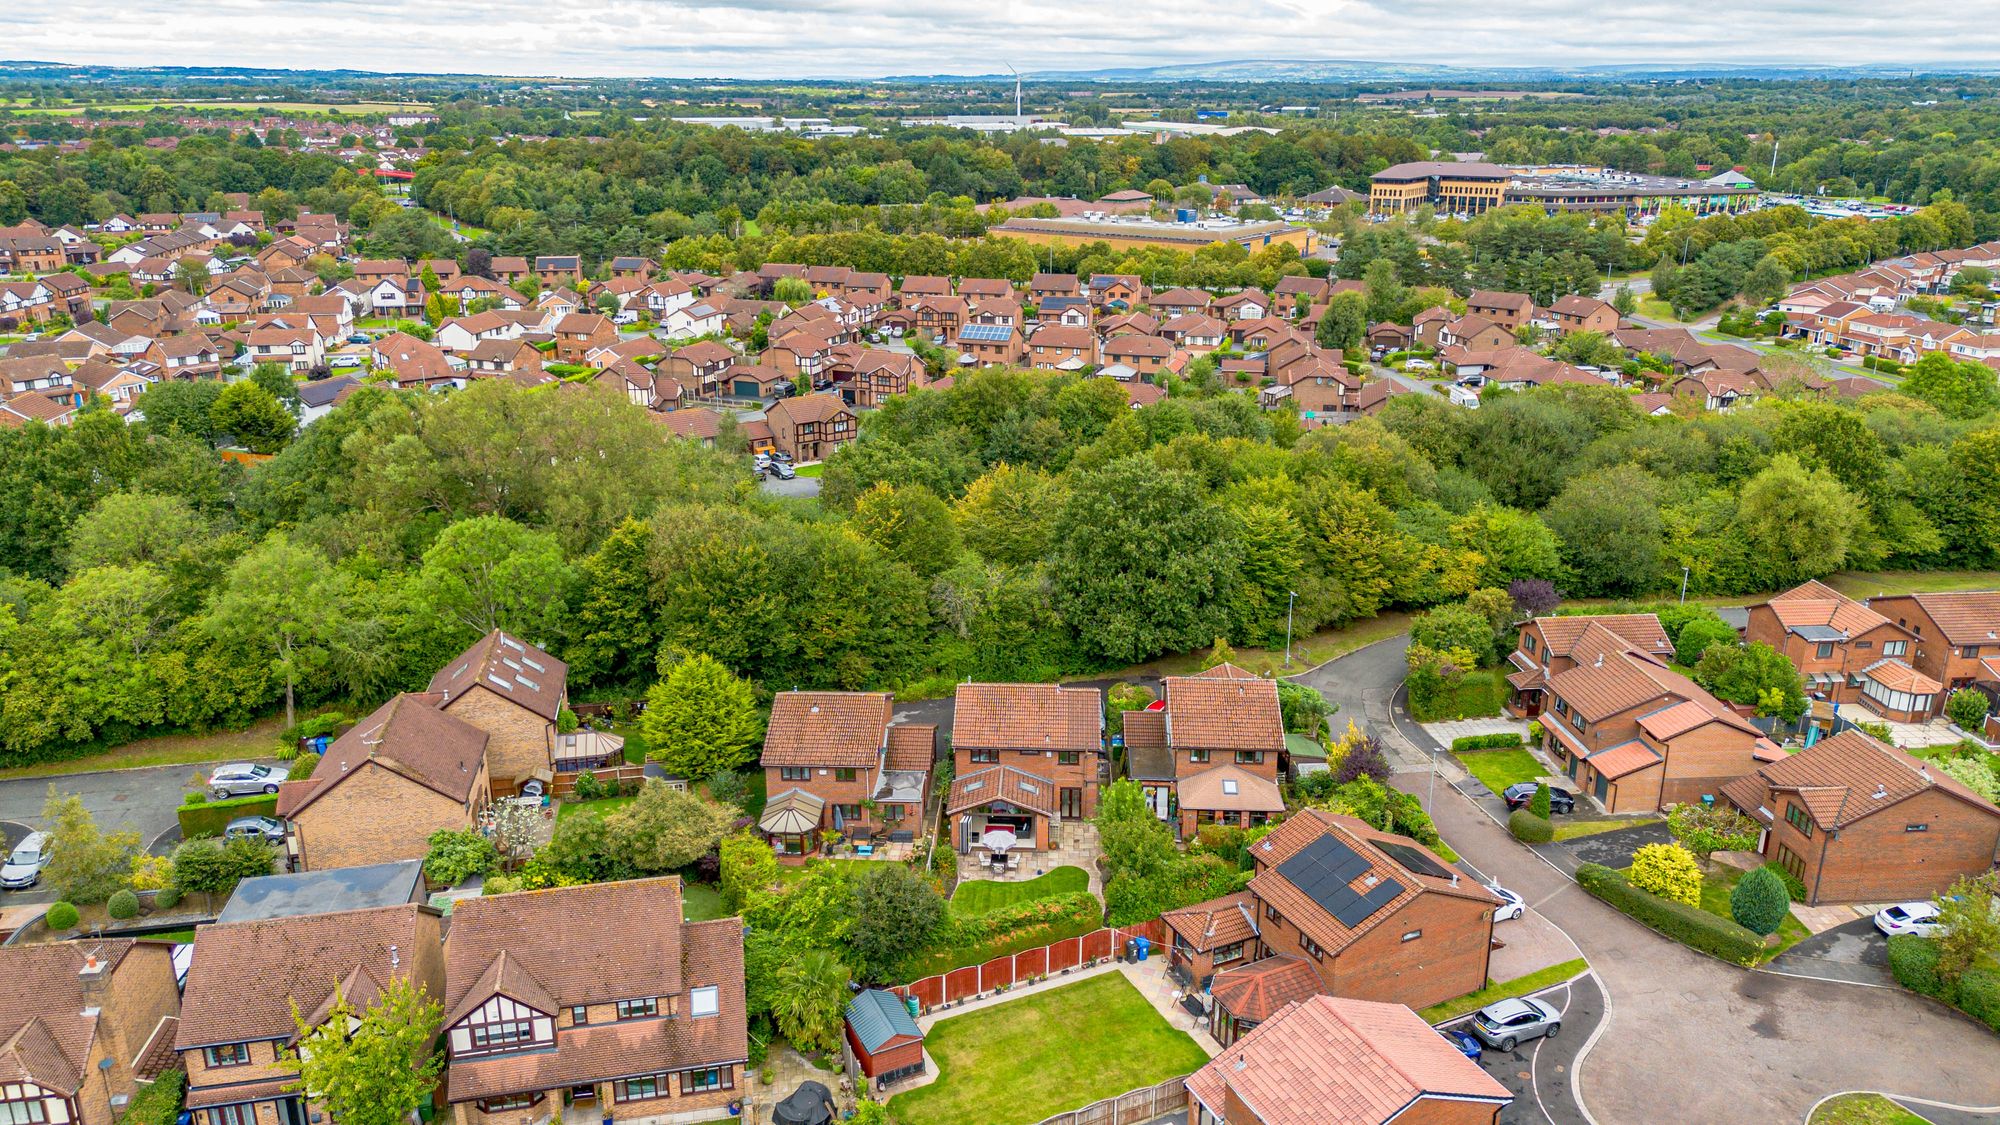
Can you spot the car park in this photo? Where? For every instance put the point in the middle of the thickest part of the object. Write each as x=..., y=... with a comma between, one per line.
x=242, y=779
x=1509, y=1023
x=267, y=828
x=1919, y=918
x=24, y=865
x=1512, y=905
x=1521, y=793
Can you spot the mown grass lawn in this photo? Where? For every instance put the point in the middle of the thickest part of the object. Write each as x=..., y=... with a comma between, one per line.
x=1497, y=769
x=983, y=896
x=1567, y=829
x=1062, y=1049
x=1477, y=695
x=1715, y=888
x=599, y=807
x=702, y=902
x=1503, y=990
x=1863, y=1109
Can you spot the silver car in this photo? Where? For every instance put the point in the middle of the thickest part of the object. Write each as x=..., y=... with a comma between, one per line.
x=266, y=828
x=24, y=867
x=243, y=779
x=1512, y=1022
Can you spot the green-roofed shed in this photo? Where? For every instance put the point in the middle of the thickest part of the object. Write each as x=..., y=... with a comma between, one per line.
x=884, y=1036
x=1307, y=754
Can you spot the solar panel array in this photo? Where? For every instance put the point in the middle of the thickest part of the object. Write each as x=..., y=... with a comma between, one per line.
x=1323, y=869
x=985, y=333
x=1414, y=859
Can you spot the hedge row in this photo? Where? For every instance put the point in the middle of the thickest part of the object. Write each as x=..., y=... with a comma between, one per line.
x=1690, y=925
x=211, y=817
x=1913, y=961
x=1529, y=828
x=1504, y=740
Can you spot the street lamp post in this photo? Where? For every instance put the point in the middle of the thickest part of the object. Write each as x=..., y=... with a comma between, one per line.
x=1684, y=585
x=1291, y=599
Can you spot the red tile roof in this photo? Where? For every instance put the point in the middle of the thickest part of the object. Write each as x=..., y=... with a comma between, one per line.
x=843, y=729
x=407, y=736
x=510, y=668
x=1837, y=779
x=1210, y=712
x=1028, y=717
x=1260, y=989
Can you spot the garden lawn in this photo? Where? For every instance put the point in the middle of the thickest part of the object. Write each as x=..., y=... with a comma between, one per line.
x=1062, y=1049
x=1497, y=769
x=983, y=896
x=1570, y=829
x=1477, y=695
x=1503, y=990
x=1715, y=888
x=1863, y=1109
x=702, y=902
x=592, y=808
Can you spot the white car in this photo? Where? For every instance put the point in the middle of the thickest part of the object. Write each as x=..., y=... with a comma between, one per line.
x=1919, y=918
x=1511, y=906
x=24, y=867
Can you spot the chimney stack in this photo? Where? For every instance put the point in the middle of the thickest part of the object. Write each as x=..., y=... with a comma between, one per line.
x=93, y=980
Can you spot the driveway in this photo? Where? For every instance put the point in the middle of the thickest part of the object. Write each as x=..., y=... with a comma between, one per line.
x=1853, y=952
x=797, y=486
x=1614, y=849
x=141, y=800
x=1540, y=1073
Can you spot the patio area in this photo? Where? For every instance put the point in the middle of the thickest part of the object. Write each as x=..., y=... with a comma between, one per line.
x=1073, y=844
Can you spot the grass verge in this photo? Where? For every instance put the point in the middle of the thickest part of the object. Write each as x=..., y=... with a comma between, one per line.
x=1863, y=1109
x=1504, y=990
x=255, y=741
x=1307, y=652
x=1715, y=888
x=983, y=896
x=1571, y=829
x=1048, y=1052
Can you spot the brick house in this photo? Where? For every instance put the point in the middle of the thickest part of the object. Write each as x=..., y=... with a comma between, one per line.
x=579, y=333
x=977, y=289
x=1297, y=291
x=1576, y=313
x=1548, y=644
x=1117, y=290
x=699, y=366
x=237, y=1037
x=1474, y=334
x=1858, y=821
x=381, y=789
x=872, y=375
x=1508, y=310
x=1335, y=1061
x=1062, y=348
x=514, y=692
x=935, y=315
x=1334, y=907
x=1054, y=285
x=1026, y=758
x=650, y=1027
x=1146, y=355
x=837, y=761
x=810, y=428
x=1216, y=741
x=82, y=1023
x=1954, y=633
x=1847, y=652
x=992, y=345
x=556, y=269
x=1179, y=302
x=1638, y=735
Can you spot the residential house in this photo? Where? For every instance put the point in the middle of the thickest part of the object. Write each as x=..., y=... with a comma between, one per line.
x=700, y=366
x=82, y=1023
x=1859, y=821
x=1146, y=355
x=461, y=334
x=756, y=381
x=811, y=427
x=1117, y=291
x=1847, y=652
x=1548, y=645
x=414, y=363
x=1027, y=757
x=652, y=1027
x=626, y=265
x=836, y=761
x=516, y=693
x=1059, y=348
x=1296, y=292
x=1508, y=310
x=1176, y=302
x=248, y=983
x=692, y=320
x=1577, y=313
x=869, y=376
x=318, y=398
x=1044, y=285
x=977, y=289
x=991, y=345
x=1475, y=333
x=1195, y=332
x=1245, y=304
x=299, y=350
x=1337, y=1061
x=1955, y=633
x=502, y=356
x=559, y=269
x=1209, y=754
x=578, y=333
x=922, y=285
x=935, y=316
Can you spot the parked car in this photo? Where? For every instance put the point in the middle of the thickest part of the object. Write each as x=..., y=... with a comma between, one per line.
x=1511, y=906
x=361, y=338
x=242, y=779
x=1520, y=793
x=1510, y=1023
x=783, y=470
x=1466, y=1044
x=1919, y=918
x=24, y=866
x=626, y=317
x=268, y=828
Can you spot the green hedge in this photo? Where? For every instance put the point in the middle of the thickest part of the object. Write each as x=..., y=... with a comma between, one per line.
x=158, y=1103
x=1529, y=828
x=1913, y=962
x=1504, y=740
x=211, y=817
x=1793, y=886
x=1691, y=926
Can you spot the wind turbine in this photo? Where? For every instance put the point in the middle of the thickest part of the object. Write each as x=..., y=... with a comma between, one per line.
x=1017, y=87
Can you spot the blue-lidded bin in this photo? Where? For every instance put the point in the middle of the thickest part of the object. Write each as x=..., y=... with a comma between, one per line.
x=1141, y=945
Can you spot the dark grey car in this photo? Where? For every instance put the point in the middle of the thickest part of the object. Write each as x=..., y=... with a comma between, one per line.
x=1510, y=1023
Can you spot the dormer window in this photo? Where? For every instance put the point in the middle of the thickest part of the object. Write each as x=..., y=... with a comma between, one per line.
x=639, y=1008
x=704, y=1001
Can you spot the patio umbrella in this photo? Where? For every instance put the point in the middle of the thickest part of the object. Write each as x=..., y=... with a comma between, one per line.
x=998, y=840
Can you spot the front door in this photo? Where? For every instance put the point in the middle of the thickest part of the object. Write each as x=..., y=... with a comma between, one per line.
x=1072, y=803
x=1603, y=787
x=292, y=1111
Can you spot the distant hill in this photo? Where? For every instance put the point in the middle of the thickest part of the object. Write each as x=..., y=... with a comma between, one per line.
x=1365, y=71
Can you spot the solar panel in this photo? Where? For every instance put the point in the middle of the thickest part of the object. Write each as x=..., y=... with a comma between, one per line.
x=1362, y=907
x=1415, y=859
x=985, y=333
x=1323, y=870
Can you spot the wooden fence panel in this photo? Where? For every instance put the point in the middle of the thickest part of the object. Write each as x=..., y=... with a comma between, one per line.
x=997, y=972
x=928, y=991
x=961, y=983
x=1065, y=954
x=1097, y=945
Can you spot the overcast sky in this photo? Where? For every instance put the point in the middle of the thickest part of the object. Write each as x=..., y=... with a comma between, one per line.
x=860, y=38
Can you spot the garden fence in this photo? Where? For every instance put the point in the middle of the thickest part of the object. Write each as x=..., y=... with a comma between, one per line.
x=1054, y=959
x=1130, y=1108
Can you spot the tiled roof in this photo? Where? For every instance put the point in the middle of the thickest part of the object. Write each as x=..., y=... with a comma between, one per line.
x=1223, y=713
x=1334, y=1060
x=1217, y=922
x=1816, y=603
x=1969, y=617
x=1837, y=778
x=408, y=736
x=44, y=1036
x=1028, y=717
x=1262, y=988
x=1677, y=719
x=912, y=746
x=846, y=729
x=1895, y=675
x=1629, y=757
x=1642, y=629
x=246, y=976
x=1002, y=783
x=1230, y=788
x=511, y=669
x=537, y=930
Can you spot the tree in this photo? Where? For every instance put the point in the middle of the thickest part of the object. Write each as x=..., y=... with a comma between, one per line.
x=896, y=914
x=191, y=275
x=374, y=1067
x=1539, y=803
x=1707, y=829
x=1344, y=323
x=1006, y=516
x=1759, y=901
x=1958, y=389
x=488, y=573
x=1533, y=597
x=1667, y=870
x=1968, y=925
x=456, y=855
x=748, y=867
x=666, y=829
x=1303, y=708
x=1122, y=800
x=280, y=599
x=87, y=865
x=1611, y=531
x=277, y=379
x=1754, y=674
x=1794, y=523
x=701, y=719
x=173, y=406
x=910, y=524
x=253, y=416
x=1696, y=636
x=1454, y=627
x=793, y=291
x=127, y=528
x=1967, y=708
x=1973, y=773
x=811, y=999
x=1624, y=301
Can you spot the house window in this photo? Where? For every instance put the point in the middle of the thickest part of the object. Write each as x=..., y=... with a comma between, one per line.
x=1198, y=756
x=795, y=773
x=1413, y=935
x=1312, y=948
x=639, y=1009
x=229, y=1115
x=1529, y=643
x=637, y=1089
x=228, y=1054
x=848, y=812
x=708, y=1078
x=1228, y=953
x=704, y=1001
x=1249, y=757
x=985, y=755
x=1798, y=818
x=1790, y=861
x=1069, y=757
x=1271, y=913
x=501, y=1033
x=843, y=775
x=1972, y=652
x=579, y=1016
x=1895, y=648
x=512, y=1101
x=1823, y=651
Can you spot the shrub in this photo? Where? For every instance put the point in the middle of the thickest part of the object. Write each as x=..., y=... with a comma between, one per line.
x=1913, y=962
x=167, y=898
x=212, y=867
x=158, y=1103
x=195, y=797
x=122, y=906
x=1759, y=902
x=1504, y=740
x=61, y=917
x=588, y=788
x=1979, y=996
x=1529, y=828
x=1690, y=925
x=1793, y=886
x=1967, y=708
x=1539, y=803
x=1667, y=870
x=730, y=787
x=457, y=855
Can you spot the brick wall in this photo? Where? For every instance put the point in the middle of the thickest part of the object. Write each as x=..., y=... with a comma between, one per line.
x=373, y=816
x=1877, y=859
x=518, y=740
x=1448, y=960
